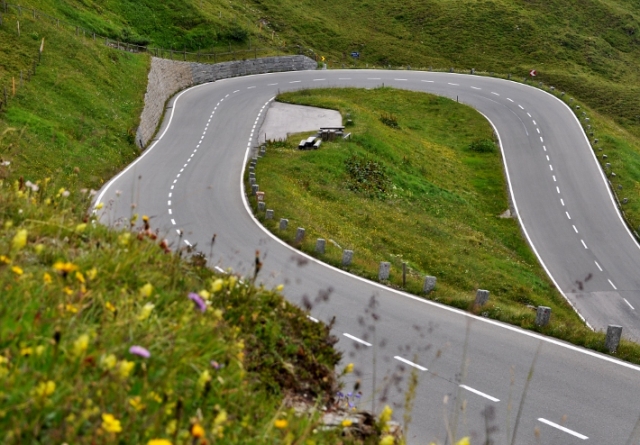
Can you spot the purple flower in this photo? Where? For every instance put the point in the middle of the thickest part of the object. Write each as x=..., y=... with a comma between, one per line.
x=340, y=395
x=140, y=351
x=198, y=301
x=215, y=364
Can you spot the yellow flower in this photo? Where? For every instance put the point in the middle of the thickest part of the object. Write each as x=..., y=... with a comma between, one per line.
x=347, y=423
x=46, y=278
x=232, y=281
x=146, y=311
x=205, y=377
x=71, y=308
x=136, y=403
x=387, y=440
x=464, y=441
x=348, y=369
x=91, y=273
x=385, y=416
x=67, y=290
x=280, y=287
x=125, y=368
x=45, y=389
x=99, y=205
x=159, y=442
x=155, y=396
x=80, y=277
x=81, y=344
x=4, y=259
x=110, y=423
x=39, y=350
x=281, y=424
x=25, y=352
x=64, y=268
x=197, y=430
x=39, y=248
x=171, y=427
x=107, y=362
x=124, y=238
x=19, y=240
x=204, y=294
x=109, y=306
x=80, y=227
x=217, y=285
x=17, y=270
x=220, y=419
x=146, y=290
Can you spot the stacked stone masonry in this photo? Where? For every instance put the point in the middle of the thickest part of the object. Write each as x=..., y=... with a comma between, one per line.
x=167, y=77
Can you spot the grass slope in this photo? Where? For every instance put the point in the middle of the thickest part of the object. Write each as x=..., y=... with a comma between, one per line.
x=427, y=189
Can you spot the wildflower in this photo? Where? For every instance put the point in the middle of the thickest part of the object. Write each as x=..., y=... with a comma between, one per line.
x=71, y=308
x=39, y=248
x=91, y=273
x=39, y=350
x=146, y=290
x=464, y=441
x=217, y=285
x=220, y=418
x=80, y=227
x=109, y=306
x=80, y=277
x=348, y=369
x=26, y=352
x=387, y=440
x=107, y=362
x=46, y=278
x=110, y=423
x=280, y=287
x=232, y=281
x=347, y=423
x=281, y=424
x=99, y=206
x=198, y=302
x=45, y=389
x=19, y=240
x=63, y=268
x=67, y=290
x=204, y=378
x=146, y=311
x=197, y=430
x=155, y=396
x=4, y=259
x=385, y=416
x=81, y=344
x=215, y=365
x=159, y=442
x=139, y=351
x=204, y=294
x=125, y=368
x=17, y=270
x=124, y=238
x=136, y=403
x=171, y=427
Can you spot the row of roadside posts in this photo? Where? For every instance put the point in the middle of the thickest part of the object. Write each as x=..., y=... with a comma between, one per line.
x=543, y=313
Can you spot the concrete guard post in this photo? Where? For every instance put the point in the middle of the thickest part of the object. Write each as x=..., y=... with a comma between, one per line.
x=269, y=214
x=482, y=296
x=383, y=272
x=429, y=284
x=299, y=235
x=347, y=256
x=543, y=314
x=320, y=244
x=612, y=340
x=283, y=223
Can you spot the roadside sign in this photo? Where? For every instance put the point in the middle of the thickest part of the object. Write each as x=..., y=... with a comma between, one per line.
x=355, y=54
x=323, y=58
x=533, y=73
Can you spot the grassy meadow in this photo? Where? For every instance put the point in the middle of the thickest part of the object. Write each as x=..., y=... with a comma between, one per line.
x=421, y=182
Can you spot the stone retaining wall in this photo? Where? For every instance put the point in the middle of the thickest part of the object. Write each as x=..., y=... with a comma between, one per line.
x=167, y=77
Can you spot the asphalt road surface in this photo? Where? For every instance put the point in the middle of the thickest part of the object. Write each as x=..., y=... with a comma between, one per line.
x=472, y=371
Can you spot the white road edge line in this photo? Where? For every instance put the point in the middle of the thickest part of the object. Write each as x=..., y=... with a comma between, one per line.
x=561, y=428
x=415, y=365
x=629, y=304
x=366, y=343
x=481, y=394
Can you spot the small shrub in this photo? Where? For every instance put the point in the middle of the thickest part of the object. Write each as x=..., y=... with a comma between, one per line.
x=483, y=146
x=389, y=119
x=367, y=177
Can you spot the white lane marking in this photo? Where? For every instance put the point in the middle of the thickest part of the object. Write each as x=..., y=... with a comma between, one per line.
x=561, y=428
x=541, y=140
x=545, y=147
x=315, y=320
x=175, y=180
x=548, y=158
x=344, y=78
x=169, y=202
x=558, y=189
x=574, y=227
x=178, y=232
x=509, y=99
x=182, y=169
x=173, y=221
x=415, y=365
x=538, y=130
x=219, y=269
x=449, y=83
x=534, y=121
x=295, y=81
x=170, y=195
x=188, y=243
x=568, y=216
x=317, y=80
x=406, y=79
x=236, y=91
x=562, y=202
x=185, y=165
x=494, y=93
x=481, y=394
x=612, y=285
x=626, y=301
x=554, y=178
x=528, y=114
x=178, y=175
x=170, y=212
x=551, y=167
x=195, y=149
x=366, y=343
x=375, y=78
x=272, y=84
x=476, y=88
x=584, y=244
x=192, y=154
x=598, y=266
x=428, y=81
x=521, y=107
x=226, y=97
x=249, y=88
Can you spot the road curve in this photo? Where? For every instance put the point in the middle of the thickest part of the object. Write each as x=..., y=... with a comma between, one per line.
x=189, y=181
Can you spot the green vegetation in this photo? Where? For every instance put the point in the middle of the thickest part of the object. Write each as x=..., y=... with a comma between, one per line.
x=428, y=193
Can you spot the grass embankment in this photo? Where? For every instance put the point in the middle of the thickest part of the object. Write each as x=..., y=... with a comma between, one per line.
x=101, y=340
x=421, y=182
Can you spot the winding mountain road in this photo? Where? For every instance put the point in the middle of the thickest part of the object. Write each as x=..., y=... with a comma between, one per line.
x=190, y=182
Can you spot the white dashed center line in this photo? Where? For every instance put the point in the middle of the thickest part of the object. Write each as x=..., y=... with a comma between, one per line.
x=415, y=365
x=598, y=266
x=428, y=81
x=173, y=221
x=554, y=178
x=551, y=167
x=366, y=343
x=612, y=285
x=406, y=79
x=568, y=216
x=481, y=394
x=236, y=91
x=628, y=304
x=541, y=140
x=494, y=93
x=562, y=202
x=272, y=84
x=509, y=99
x=476, y=88
x=558, y=189
x=454, y=84
x=318, y=80
x=584, y=244
x=373, y=78
x=295, y=81
x=528, y=114
x=574, y=228
x=561, y=428
x=344, y=78
x=521, y=107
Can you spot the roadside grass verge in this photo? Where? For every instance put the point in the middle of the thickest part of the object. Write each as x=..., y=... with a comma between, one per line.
x=427, y=190
x=212, y=350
